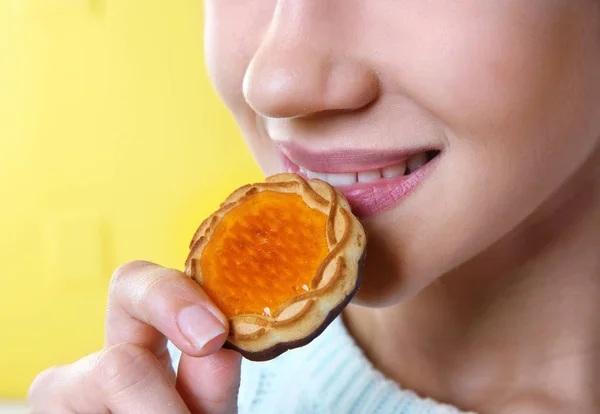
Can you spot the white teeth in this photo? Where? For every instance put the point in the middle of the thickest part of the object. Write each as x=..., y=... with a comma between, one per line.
x=369, y=176
x=394, y=171
x=341, y=180
x=348, y=179
x=417, y=161
x=317, y=175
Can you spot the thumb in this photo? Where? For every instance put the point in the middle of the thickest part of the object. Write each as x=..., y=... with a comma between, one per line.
x=210, y=384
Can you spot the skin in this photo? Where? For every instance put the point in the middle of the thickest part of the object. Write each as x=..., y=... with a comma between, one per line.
x=133, y=373
x=481, y=288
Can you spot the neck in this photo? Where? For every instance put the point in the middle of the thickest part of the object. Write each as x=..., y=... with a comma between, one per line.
x=516, y=328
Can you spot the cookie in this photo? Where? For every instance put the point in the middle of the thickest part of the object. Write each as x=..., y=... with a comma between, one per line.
x=281, y=259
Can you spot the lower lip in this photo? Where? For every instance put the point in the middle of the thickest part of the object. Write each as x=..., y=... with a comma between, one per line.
x=368, y=199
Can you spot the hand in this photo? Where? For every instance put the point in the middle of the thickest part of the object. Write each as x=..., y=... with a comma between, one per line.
x=147, y=306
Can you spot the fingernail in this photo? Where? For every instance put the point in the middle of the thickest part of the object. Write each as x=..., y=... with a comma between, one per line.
x=199, y=325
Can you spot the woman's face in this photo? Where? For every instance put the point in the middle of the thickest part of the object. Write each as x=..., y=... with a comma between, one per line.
x=502, y=97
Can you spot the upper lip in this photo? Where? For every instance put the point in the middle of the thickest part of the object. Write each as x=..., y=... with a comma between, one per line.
x=346, y=160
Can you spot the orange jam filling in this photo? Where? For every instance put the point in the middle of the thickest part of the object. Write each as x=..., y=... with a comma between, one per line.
x=263, y=253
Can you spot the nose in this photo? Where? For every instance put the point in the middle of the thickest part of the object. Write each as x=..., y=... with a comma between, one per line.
x=304, y=66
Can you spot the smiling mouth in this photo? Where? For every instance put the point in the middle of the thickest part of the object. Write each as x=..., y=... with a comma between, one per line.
x=369, y=190
x=407, y=167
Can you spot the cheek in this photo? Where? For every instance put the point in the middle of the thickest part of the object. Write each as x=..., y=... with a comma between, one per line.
x=520, y=103
x=516, y=89
x=522, y=117
x=521, y=92
x=484, y=69
x=232, y=34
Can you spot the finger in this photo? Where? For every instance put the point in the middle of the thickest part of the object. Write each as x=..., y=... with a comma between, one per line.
x=149, y=303
x=210, y=384
x=122, y=379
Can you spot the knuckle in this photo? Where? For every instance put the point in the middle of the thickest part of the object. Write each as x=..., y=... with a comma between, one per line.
x=125, y=271
x=124, y=366
x=163, y=290
x=163, y=281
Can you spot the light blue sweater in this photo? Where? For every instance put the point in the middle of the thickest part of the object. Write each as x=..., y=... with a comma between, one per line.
x=331, y=375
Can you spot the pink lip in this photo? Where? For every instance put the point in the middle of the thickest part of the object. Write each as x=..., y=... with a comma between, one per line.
x=368, y=199
x=346, y=160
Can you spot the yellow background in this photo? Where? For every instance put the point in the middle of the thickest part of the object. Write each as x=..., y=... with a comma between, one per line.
x=113, y=147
